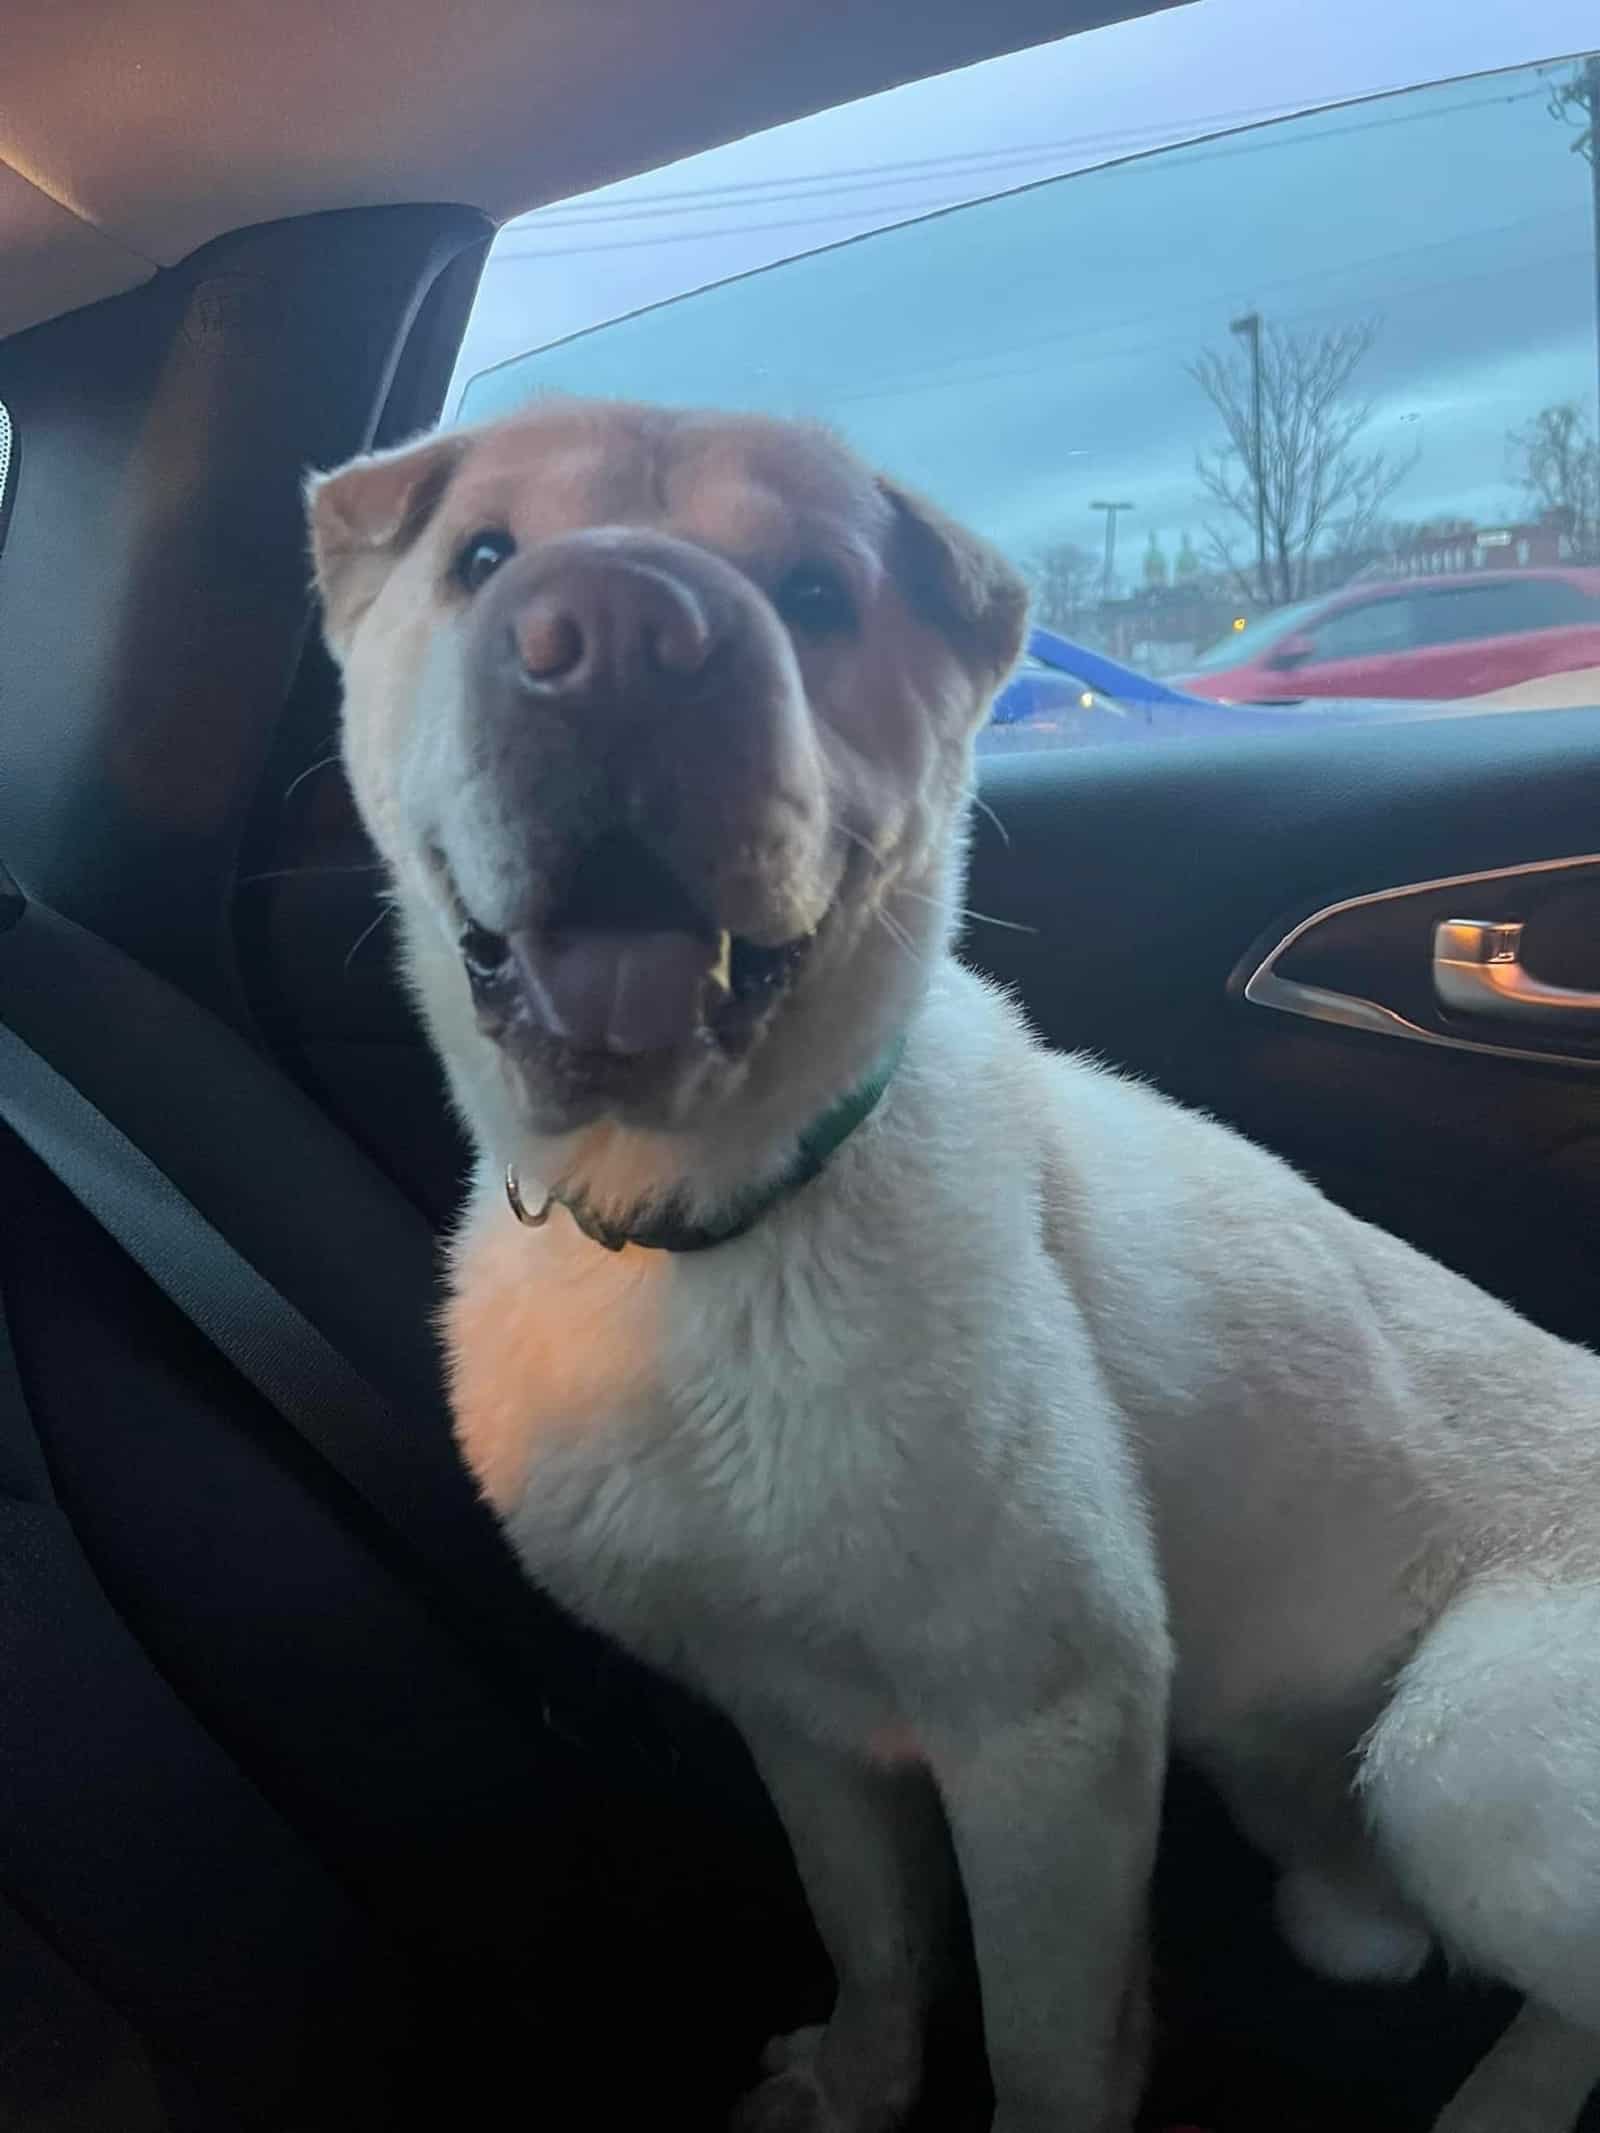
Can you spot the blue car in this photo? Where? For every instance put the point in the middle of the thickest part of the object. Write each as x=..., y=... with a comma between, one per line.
x=1063, y=695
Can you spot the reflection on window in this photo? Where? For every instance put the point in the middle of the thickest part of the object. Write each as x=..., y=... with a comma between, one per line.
x=1247, y=411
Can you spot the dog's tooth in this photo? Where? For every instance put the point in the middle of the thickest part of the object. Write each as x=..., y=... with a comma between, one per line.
x=722, y=968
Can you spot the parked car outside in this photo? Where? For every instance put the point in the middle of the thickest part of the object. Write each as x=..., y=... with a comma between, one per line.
x=1063, y=695
x=1455, y=636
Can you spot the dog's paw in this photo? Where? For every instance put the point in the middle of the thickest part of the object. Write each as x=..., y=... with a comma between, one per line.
x=790, y=2102
x=792, y=2098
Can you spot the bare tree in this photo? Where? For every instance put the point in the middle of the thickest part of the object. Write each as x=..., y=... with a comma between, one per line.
x=1064, y=577
x=1575, y=101
x=1557, y=462
x=1319, y=490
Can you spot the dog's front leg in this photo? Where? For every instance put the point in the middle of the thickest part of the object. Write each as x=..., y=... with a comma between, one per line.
x=873, y=1853
x=1054, y=1817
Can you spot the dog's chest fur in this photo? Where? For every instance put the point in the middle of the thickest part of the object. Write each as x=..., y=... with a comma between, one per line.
x=809, y=1459
x=681, y=1451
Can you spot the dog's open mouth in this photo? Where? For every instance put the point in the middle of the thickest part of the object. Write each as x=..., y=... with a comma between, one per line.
x=625, y=965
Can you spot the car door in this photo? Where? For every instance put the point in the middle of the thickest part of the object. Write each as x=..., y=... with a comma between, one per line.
x=1477, y=638
x=1364, y=648
x=1456, y=640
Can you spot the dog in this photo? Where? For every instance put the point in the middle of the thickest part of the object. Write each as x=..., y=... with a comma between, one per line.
x=966, y=1421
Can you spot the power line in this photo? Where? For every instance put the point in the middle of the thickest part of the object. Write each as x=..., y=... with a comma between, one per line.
x=935, y=382
x=503, y=251
x=912, y=168
x=602, y=209
x=907, y=211
x=1075, y=336
x=954, y=374
x=580, y=216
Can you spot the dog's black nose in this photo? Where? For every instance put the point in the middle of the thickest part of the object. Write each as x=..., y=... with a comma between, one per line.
x=609, y=624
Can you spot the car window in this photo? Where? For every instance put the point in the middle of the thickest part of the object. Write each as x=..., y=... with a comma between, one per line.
x=1503, y=609
x=1365, y=629
x=1193, y=403
x=1247, y=641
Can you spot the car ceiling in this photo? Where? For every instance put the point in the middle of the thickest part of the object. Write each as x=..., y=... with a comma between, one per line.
x=133, y=131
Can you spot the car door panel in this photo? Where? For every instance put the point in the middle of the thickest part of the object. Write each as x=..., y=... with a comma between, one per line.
x=1457, y=667
x=1472, y=666
x=1152, y=885
x=1568, y=650
x=1377, y=674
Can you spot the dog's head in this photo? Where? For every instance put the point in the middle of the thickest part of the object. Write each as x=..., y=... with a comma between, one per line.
x=663, y=724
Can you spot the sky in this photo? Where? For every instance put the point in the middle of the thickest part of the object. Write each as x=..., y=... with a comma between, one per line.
x=1025, y=357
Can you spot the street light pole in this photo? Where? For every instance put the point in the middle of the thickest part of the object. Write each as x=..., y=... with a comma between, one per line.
x=1108, y=576
x=1249, y=327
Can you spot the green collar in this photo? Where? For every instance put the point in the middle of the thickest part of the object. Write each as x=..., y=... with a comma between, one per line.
x=666, y=1232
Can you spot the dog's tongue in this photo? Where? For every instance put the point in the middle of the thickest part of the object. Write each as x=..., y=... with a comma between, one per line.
x=623, y=991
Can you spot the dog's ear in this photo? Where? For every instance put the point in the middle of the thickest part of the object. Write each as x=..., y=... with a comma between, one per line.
x=364, y=515
x=955, y=580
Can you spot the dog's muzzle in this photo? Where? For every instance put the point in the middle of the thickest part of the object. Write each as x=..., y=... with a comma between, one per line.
x=636, y=733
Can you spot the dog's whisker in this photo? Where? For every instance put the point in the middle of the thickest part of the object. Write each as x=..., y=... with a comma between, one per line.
x=861, y=843
x=981, y=918
x=324, y=763
x=246, y=881
x=983, y=807
x=364, y=936
x=897, y=933
x=987, y=918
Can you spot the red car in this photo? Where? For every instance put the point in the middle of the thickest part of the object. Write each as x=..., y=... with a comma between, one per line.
x=1421, y=637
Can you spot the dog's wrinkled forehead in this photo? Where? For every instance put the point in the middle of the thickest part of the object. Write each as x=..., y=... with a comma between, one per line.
x=749, y=489
x=764, y=495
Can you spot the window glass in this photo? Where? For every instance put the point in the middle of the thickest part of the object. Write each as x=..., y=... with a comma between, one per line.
x=1200, y=394
x=1247, y=640
x=1367, y=627
x=1503, y=608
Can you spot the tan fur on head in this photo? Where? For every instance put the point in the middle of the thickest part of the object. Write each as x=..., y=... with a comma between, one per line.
x=362, y=516
x=834, y=789
x=957, y=581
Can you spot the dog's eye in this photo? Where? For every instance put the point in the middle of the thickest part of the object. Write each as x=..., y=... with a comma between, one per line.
x=479, y=558
x=813, y=599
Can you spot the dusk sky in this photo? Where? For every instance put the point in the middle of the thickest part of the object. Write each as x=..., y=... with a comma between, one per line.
x=1022, y=357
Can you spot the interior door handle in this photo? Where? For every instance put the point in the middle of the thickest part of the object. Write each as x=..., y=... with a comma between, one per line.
x=1478, y=970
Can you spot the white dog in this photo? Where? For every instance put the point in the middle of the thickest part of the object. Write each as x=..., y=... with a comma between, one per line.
x=956, y=1416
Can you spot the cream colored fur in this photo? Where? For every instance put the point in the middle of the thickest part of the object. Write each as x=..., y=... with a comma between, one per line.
x=1049, y=1416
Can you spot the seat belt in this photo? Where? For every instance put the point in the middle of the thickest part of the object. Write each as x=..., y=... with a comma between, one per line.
x=58, y=2038
x=150, y=1899
x=271, y=1344
x=86, y=1033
